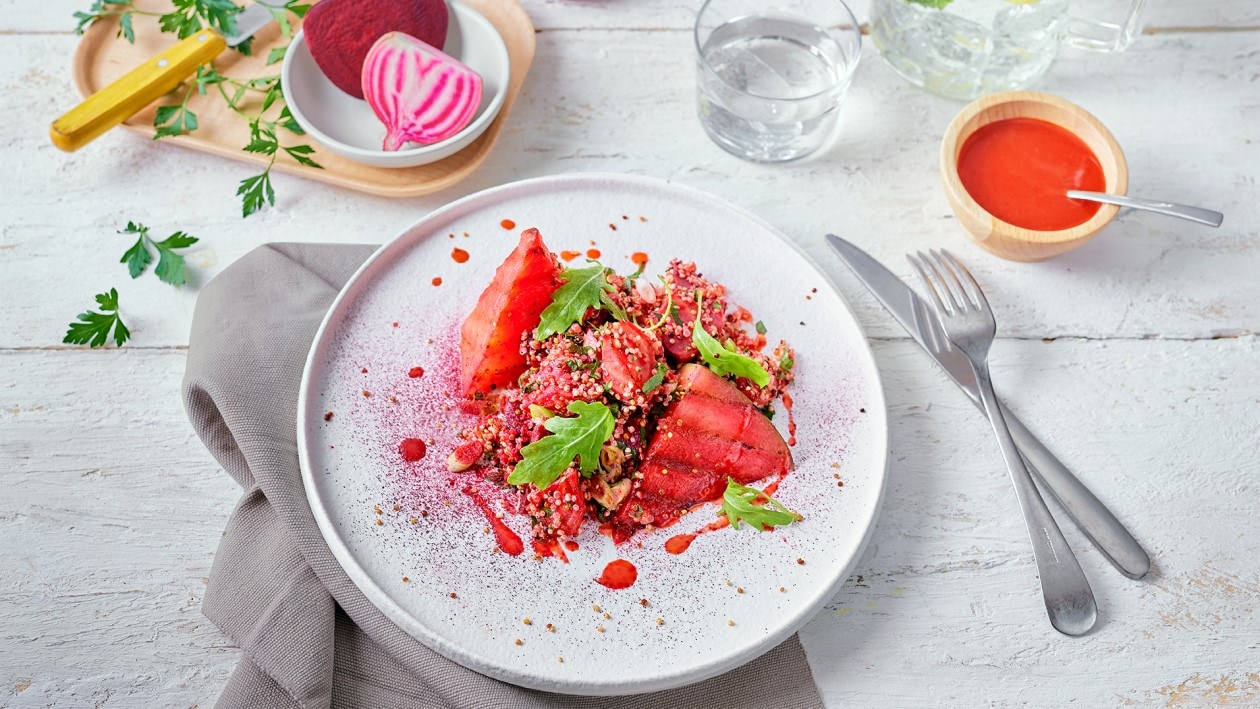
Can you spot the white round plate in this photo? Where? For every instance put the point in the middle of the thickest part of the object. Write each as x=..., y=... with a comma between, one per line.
x=347, y=126
x=440, y=578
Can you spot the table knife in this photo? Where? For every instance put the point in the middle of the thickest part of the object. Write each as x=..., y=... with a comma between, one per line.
x=1094, y=519
x=153, y=79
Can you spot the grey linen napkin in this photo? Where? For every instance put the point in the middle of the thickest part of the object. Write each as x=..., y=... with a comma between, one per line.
x=309, y=637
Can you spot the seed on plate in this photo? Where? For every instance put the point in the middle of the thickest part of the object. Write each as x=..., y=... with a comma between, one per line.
x=730, y=622
x=518, y=641
x=643, y=602
x=397, y=507
x=328, y=416
x=600, y=628
x=561, y=659
x=551, y=628
x=782, y=590
x=660, y=621
x=412, y=520
x=406, y=580
x=453, y=595
x=607, y=616
x=728, y=582
x=379, y=523
x=739, y=589
x=393, y=400
x=800, y=562
x=366, y=392
x=527, y=621
x=377, y=510
x=595, y=608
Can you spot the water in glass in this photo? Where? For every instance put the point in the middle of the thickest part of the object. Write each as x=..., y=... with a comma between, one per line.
x=770, y=86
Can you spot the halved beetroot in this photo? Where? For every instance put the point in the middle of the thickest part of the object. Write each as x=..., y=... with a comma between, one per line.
x=490, y=338
x=628, y=356
x=711, y=432
x=340, y=33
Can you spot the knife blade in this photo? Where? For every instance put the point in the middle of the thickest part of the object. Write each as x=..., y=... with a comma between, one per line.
x=152, y=80
x=1086, y=510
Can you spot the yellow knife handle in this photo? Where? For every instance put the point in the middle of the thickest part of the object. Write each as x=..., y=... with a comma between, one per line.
x=135, y=90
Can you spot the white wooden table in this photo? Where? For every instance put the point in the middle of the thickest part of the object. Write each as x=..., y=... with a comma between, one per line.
x=1136, y=357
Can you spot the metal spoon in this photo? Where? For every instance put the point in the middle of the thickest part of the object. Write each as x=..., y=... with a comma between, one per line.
x=1181, y=211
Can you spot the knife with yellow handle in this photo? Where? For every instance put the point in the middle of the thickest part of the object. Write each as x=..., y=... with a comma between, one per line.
x=152, y=80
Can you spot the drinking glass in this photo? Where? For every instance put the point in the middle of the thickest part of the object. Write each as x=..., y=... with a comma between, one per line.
x=772, y=76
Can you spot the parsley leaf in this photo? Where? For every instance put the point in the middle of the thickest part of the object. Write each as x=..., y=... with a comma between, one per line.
x=656, y=379
x=581, y=436
x=174, y=120
x=170, y=266
x=581, y=290
x=93, y=328
x=761, y=328
x=725, y=360
x=190, y=15
x=256, y=190
x=746, y=504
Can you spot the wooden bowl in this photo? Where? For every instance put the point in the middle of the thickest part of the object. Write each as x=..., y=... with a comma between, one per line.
x=1003, y=238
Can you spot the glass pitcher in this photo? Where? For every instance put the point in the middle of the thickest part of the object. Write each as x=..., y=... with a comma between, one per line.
x=966, y=48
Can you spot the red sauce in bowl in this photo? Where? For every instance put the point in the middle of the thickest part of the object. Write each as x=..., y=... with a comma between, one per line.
x=1020, y=169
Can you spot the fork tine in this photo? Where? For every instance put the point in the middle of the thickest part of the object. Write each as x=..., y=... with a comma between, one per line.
x=961, y=297
x=927, y=275
x=947, y=294
x=969, y=283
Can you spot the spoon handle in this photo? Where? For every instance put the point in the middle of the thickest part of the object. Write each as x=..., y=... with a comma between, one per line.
x=1194, y=214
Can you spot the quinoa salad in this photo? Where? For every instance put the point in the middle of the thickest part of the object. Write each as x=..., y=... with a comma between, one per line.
x=620, y=401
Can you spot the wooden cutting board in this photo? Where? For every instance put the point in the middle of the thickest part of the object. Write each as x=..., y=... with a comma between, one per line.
x=102, y=57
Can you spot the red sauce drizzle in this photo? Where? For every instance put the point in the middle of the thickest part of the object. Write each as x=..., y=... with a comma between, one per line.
x=460, y=255
x=1020, y=169
x=411, y=449
x=508, y=224
x=508, y=540
x=787, y=404
x=569, y=255
x=639, y=258
x=542, y=548
x=592, y=253
x=618, y=574
x=437, y=280
x=416, y=372
x=679, y=543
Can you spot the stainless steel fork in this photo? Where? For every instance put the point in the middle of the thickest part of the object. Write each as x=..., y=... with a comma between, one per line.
x=969, y=325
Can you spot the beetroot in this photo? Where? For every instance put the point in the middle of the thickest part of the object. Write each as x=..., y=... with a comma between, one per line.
x=340, y=33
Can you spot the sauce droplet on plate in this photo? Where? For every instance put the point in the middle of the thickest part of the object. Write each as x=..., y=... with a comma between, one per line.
x=508, y=224
x=437, y=280
x=460, y=255
x=618, y=574
x=639, y=258
x=592, y=253
x=411, y=449
x=569, y=255
x=416, y=372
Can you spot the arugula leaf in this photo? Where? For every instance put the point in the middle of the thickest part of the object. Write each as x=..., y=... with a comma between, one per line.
x=582, y=436
x=611, y=306
x=746, y=504
x=93, y=328
x=725, y=360
x=761, y=328
x=581, y=290
x=170, y=266
x=656, y=379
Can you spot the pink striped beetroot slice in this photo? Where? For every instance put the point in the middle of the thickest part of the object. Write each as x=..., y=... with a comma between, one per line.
x=421, y=94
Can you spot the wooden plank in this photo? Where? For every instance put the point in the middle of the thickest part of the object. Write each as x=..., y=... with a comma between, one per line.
x=113, y=510
x=1146, y=276
x=16, y=16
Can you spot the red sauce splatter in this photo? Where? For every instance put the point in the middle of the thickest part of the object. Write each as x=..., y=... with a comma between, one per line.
x=571, y=545
x=460, y=255
x=411, y=449
x=773, y=487
x=437, y=280
x=569, y=255
x=364, y=370
x=592, y=253
x=787, y=404
x=639, y=258
x=509, y=541
x=508, y=224
x=542, y=548
x=618, y=574
x=1020, y=169
x=415, y=372
x=679, y=543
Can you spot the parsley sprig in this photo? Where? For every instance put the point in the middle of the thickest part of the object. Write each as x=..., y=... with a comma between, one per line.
x=254, y=100
x=170, y=265
x=724, y=360
x=93, y=328
x=746, y=504
x=581, y=436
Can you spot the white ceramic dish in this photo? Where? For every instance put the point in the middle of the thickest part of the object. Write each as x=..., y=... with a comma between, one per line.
x=347, y=126
x=390, y=318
